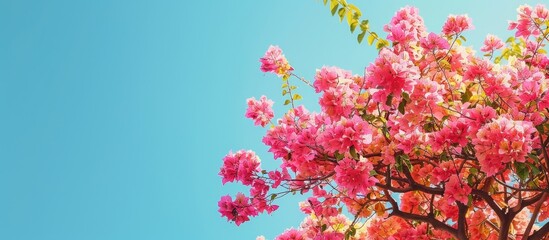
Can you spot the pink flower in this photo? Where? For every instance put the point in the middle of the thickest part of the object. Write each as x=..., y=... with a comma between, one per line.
x=328, y=77
x=354, y=176
x=240, y=166
x=526, y=20
x=341, y=135
x=502, y=141
x=238, y=210
x=392, y=74
x=433, y=41
x=291, y=234
x=491, y=43
x=275, y=62
x=405, y=26
x=338, y=101
x=457, y=24
x=260, y=111
x=457, y=190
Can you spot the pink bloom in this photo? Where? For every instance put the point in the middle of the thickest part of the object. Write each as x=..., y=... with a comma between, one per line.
x=457, y=190
x=457, y=24
x=291, y=234
x=502, y=141
x=275, y=62
x=491, y=43
x=338, y=101
x=240, y=166
x=341, y=135
x=405, y=26
x=526, y=20
x=392, y=74
x=260, y=111
x=238, y=210
x=328, y=77
x=433, y=41
x=354, y=176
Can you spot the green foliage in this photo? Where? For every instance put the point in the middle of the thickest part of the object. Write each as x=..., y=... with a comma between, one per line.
x=352, y=14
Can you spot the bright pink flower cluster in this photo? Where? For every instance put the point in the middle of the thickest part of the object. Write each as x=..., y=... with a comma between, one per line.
x=457, y=190
x=244, y=166
x=491, y=43
x=354, y=177
x=240, y=166
x=239, y=210
x=391, y=74
x=340, y=136
x=457, y=24
x=329, y=77
x=260, y=111
x=501, y=141
x=275, y=62
x=433, y=41
x=528, y=20
x=405, y=26
x=433, y=142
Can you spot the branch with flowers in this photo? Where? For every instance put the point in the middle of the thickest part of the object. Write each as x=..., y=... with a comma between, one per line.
x=432, y=142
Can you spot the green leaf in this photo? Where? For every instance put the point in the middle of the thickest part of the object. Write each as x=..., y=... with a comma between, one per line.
x=287, y=102
x=353, y=25
x=264, y=171
x=466, y=96
x=473, y=171
x=296, y=97
x=360, y=37
x=334, y=6
x=534, y=157
x=406, y=161
x=284, y=92
x=534, y=170
x=364, y=25
x=401, y=106
x=338, y=155
x=371, y=39
x=325, y=2
x=341, y=14
x=389, y=101
x=353, y=153
x=273, y=196
x=381, y=44
x=521, y=170
x=463, y=37
x=323, y=227
x=406, y=97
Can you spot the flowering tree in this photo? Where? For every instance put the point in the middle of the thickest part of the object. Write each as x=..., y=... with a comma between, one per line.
x=432, y=142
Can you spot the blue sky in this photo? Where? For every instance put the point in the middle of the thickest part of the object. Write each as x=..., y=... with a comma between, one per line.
x=114, y=115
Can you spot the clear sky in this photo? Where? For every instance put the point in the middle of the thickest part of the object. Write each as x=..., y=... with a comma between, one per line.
x=115, y=114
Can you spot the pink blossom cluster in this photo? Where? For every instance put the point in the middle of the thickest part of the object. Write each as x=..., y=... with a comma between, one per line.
x=391, y=74
x=528, y=20
x=501, y=141
x=491, y=43
x=405, y=26
x=354, y=177
x=275, y=62
x=457, y=24
x=260, y=110
x=433, y=142
x=244, y=166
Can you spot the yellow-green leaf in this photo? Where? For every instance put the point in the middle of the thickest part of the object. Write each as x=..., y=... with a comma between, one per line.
x=360, y=37
x=371, y=39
